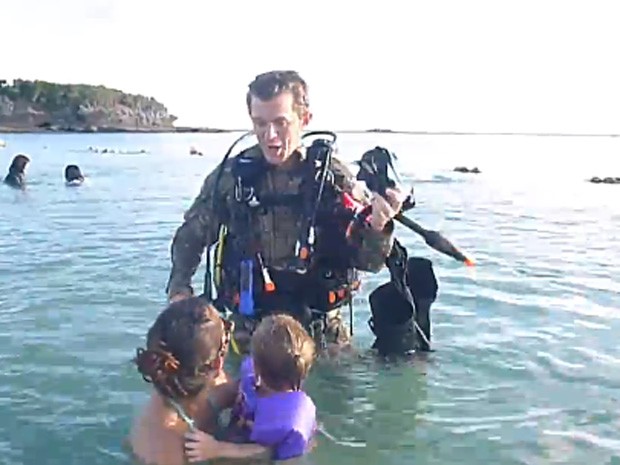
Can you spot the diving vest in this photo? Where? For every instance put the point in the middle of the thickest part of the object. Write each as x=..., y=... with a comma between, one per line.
x=319, y=278
x=326, y=280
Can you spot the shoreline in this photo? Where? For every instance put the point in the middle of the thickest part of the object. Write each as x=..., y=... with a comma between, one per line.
x=206, y=130
x=109, y=130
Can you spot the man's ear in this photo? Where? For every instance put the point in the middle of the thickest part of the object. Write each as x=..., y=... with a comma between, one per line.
x=306, y=118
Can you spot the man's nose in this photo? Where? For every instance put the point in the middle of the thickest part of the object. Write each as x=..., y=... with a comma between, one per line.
x=270, y=131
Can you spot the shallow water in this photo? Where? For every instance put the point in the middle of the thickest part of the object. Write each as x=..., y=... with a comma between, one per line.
x=526, y=367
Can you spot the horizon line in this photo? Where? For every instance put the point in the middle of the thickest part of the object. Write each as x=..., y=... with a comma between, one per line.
x=431, y=133
x=207, y=129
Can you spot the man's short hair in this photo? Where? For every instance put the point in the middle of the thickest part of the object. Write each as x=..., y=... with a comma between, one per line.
x=269, y=85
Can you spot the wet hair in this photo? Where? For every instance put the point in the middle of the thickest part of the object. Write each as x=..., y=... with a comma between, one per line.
x=72, y=172
x=283, y=352
x=19, y=164
x=269, y=85
x=181, y=346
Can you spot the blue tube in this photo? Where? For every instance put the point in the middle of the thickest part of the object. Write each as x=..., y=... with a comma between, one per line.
x=246, y=285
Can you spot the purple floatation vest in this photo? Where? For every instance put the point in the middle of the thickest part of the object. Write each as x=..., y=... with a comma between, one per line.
x=242, y=415
x=285, y=421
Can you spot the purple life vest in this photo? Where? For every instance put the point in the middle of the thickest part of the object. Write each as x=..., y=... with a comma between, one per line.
x=242, y=414
x=284, y=421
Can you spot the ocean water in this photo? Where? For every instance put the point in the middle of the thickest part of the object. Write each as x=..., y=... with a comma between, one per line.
x=526, y=368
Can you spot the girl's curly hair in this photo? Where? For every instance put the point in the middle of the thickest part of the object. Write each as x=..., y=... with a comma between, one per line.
x=181, y=346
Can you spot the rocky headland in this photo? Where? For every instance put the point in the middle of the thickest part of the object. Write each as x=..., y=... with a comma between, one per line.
x=40, y=106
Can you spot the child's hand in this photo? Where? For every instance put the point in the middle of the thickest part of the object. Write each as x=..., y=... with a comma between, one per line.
x=200, y=446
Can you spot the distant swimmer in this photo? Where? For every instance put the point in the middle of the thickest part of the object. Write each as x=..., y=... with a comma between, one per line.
x=16, y=176
x=73, y=175
x=607, y=180
x=119, y=151
x=194, y=151
x=463, y=169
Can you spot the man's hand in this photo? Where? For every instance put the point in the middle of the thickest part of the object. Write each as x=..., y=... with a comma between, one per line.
x=383, y=210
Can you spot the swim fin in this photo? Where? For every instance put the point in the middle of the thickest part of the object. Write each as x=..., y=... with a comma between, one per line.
x=400, y=313
x=422, y=283
x=392, y=321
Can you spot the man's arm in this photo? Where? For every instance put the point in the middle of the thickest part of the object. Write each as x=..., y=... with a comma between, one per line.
x=371, y=246
x=199, y=230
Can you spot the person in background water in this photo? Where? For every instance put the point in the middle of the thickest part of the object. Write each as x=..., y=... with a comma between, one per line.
x=279, y=172
x=16, y=176
x=271, y=409
x=73, y=175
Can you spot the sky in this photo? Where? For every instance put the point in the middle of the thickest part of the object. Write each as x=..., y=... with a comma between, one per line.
x=434, y=65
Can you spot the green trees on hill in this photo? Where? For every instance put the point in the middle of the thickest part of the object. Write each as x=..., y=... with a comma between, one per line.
x=53, y=97
x=36, y=104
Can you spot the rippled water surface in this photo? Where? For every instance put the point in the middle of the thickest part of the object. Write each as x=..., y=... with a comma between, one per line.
x=526, y=368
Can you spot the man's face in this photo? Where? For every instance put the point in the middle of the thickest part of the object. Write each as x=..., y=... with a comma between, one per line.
x=277, y=126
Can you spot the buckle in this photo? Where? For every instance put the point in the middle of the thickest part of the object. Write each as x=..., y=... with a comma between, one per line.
x=245, y=194
x=238, y=189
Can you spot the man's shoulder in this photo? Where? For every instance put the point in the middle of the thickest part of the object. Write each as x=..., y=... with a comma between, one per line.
x=343, y=176
x=347, y=181
x=340, y=165
x=253, y=151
